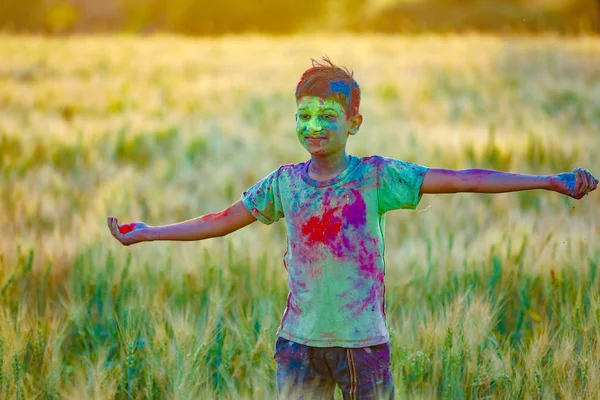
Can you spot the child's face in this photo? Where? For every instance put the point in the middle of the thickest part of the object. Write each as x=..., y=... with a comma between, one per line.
x=322, y=126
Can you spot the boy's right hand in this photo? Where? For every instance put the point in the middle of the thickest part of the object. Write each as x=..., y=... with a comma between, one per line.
x=132, y=233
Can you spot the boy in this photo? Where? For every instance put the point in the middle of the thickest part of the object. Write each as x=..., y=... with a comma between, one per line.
x=333, y=331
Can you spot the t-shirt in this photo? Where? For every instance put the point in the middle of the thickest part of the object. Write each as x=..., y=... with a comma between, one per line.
x=335, y=245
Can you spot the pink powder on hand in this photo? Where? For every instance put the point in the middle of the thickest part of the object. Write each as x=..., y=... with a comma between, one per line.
x=127, y=228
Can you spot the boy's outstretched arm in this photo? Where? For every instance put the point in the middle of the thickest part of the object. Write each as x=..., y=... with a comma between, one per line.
x=575, y=184
x=207, y=226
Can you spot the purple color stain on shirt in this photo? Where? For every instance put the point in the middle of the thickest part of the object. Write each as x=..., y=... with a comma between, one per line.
x=368, y=258
x=326, y=200
x=368, y=255
x=359, y=305
x=335, y=246
x=301, y=284
x=355, y=214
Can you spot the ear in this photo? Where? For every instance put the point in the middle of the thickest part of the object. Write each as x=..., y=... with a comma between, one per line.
x=355, y=124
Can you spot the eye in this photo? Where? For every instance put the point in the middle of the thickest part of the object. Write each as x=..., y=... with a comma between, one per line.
x=303, y=117
x=329, y=116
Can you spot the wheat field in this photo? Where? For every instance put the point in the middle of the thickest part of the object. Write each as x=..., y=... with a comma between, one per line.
x=488, y=296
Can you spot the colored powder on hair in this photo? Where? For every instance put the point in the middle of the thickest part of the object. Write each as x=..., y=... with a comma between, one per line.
x=340, y=87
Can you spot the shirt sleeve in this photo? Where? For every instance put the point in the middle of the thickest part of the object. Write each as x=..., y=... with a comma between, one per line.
x=263, y=200
x=399, y=184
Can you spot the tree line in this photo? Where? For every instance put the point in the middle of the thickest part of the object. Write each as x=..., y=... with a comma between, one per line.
x=217, y=17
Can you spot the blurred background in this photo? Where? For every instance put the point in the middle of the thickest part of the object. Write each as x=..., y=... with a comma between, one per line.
x=161, y=111
x=207, y=17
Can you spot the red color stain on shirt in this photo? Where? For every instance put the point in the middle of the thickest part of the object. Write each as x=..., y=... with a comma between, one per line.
x=323, y=229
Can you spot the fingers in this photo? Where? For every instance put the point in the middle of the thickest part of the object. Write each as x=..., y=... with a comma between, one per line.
x=579, y=182
x=111, y=226
x=588, y=179
x=114, y=227
x=593, y=182
x=585, y=182
x=116, y=231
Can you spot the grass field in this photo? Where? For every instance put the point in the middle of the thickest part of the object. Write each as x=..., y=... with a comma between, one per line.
x=488, y=296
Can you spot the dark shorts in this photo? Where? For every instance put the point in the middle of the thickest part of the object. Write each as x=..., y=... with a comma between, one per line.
x=305, y=372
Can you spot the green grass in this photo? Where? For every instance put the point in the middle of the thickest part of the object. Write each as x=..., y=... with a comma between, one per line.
x=488, y=296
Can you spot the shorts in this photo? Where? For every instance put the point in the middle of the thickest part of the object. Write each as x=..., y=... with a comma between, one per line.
x=305, y=372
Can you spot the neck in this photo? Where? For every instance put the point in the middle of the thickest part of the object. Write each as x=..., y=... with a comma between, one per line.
x=329, y=164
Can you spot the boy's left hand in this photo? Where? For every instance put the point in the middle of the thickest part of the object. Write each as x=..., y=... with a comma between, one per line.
x=574, y=184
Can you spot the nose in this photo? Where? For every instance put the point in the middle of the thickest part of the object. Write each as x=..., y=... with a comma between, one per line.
x=314, y=127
